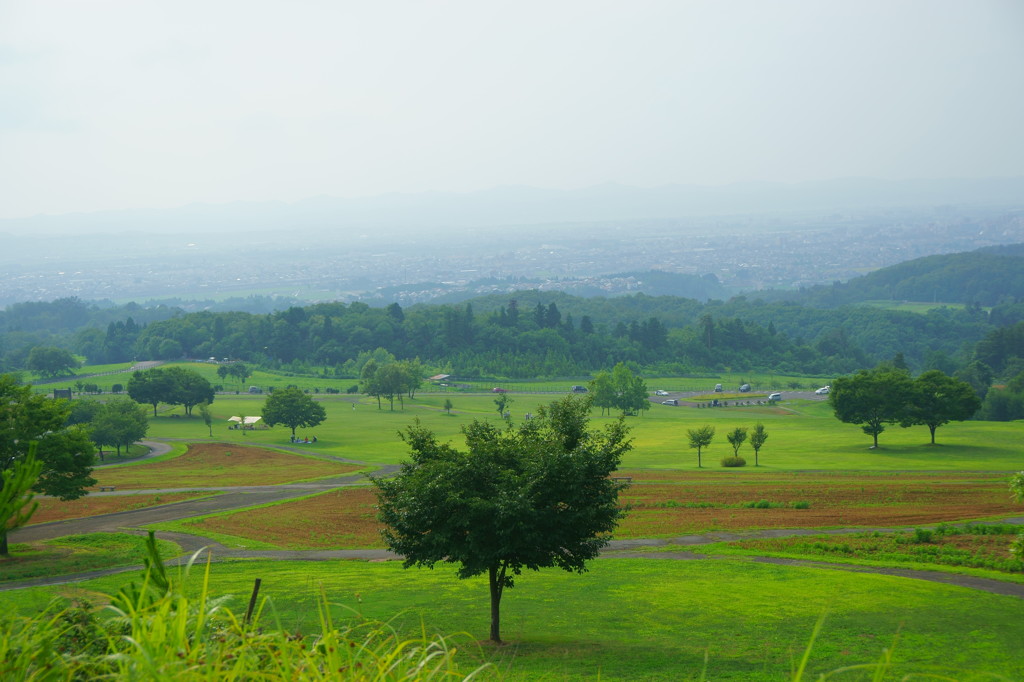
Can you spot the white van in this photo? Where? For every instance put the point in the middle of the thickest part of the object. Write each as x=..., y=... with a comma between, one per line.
x=774, y=397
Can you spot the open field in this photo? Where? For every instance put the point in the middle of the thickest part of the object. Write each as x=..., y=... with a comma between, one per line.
x=913, y=306
x=960, y=546
x=207, y=465
x=265, y=379
x=650, y=619
x=662, y=505
x=803, y=434
x=52, y=509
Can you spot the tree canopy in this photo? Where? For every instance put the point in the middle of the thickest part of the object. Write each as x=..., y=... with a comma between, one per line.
x=871, y=398
x=938, y=399
x=65, y=451
x=528, y=497
x=293, y=408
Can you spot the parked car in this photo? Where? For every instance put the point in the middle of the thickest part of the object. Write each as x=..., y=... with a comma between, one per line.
x=496, y=389
x=745, y=388
x=823, y=390
x=660, y=392
x=579, y=389
x=774, y=397
x=670, y=402
x=718, y=388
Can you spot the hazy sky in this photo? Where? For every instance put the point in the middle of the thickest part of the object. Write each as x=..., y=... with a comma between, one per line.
x=117, y=104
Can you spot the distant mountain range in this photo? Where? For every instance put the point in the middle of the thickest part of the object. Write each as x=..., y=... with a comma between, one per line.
x=518, y=205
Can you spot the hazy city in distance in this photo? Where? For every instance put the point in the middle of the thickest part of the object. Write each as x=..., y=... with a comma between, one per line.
x=439, y=153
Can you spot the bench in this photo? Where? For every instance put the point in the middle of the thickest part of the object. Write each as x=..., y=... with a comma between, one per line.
x=622, y=479
x=105, y=488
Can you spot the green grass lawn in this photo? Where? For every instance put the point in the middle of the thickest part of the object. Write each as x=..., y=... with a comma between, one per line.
x=77, y=553
x=802, y=434
x=650, y=619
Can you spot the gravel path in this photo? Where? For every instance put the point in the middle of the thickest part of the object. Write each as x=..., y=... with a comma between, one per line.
x=240, y=497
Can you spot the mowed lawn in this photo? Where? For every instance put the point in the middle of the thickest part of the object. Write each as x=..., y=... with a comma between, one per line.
x=662, y=505
x=802, y=434
x=211, y=465
x=641, y=619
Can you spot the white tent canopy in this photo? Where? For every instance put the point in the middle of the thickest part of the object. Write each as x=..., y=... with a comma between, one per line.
x=247, y=421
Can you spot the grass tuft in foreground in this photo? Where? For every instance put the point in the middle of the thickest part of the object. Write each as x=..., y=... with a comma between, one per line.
x=154, y=631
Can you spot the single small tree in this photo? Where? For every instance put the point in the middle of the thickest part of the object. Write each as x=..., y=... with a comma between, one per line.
x=16, y=504
x=757, y=438
x=700, y=438
x=448, y=405
x=736, y=438
x=293, y=408
x=207, y=416
x=502, y=402
x=532, y=497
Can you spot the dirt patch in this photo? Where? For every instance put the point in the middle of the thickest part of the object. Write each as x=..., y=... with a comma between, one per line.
x=660, y=509
x=341, y=518
x=207, y=465
x=52, y=509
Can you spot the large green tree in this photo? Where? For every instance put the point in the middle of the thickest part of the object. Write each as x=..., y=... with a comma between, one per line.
x=65, y=451
x=872, y=398
x=293, y=408
x=49, y=361
x=530, y=497
x=150, y=387
x=119, y=422
x=188, y=388
x=938, y=399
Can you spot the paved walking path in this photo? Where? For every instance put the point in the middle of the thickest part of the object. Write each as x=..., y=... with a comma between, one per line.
x=239, y=497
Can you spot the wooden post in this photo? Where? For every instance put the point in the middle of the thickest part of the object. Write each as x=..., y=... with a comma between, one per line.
x=252, y=600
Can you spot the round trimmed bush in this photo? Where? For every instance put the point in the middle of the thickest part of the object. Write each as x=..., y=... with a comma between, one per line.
x=733, y=462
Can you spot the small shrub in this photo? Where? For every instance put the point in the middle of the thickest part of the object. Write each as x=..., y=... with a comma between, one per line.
x=762, y=504
x=354, y=388
x=922, y=535
x=802, y=504
x=733, y=462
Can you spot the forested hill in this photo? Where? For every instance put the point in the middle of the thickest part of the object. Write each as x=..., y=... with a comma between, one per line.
x=539, y=334
x=985, y=277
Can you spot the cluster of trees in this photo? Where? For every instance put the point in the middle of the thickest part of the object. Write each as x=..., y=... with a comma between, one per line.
x=171, y=385
x=238, y=370
x=889, y=395
x=701, y=437
x=391, y=379
x=620, y=390
x=118, y=422
x=537, y=334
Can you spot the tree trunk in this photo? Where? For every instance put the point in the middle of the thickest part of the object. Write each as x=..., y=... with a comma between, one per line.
x=932, y=428
x=496, y=579
x=3, y=543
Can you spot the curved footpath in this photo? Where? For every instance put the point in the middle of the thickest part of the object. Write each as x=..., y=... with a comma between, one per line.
x=239, y=497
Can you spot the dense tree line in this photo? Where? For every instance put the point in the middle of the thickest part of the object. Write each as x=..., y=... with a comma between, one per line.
x=536, y=334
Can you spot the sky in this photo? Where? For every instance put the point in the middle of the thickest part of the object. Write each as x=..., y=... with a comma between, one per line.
x=127, y=104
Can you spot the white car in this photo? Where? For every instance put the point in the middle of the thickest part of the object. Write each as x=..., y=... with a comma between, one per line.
x=659, y=392
x=774, y=397
x=823, y=390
